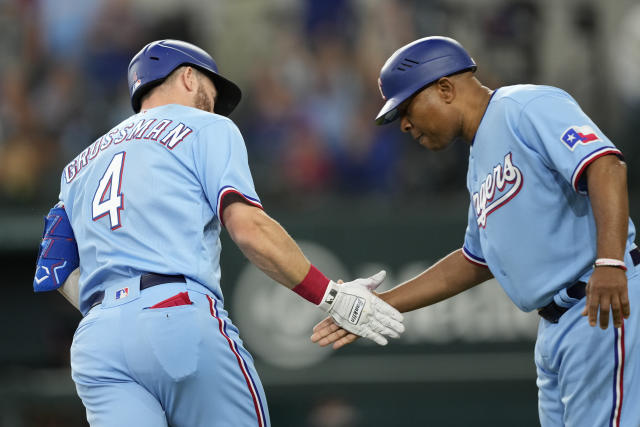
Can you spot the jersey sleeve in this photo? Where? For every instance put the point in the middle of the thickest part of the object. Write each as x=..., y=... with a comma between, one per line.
x=223, y=165
x=568, y=141
x=471, y=248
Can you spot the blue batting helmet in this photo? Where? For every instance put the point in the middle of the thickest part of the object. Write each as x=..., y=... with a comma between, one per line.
x=153, y=64
x=414, y=66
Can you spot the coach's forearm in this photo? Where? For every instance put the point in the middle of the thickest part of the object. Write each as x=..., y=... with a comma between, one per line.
x=607, y=186
x=448, y=277
x=266, y=244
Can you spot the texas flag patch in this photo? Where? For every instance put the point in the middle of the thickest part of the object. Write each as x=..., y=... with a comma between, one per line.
x=578, y=135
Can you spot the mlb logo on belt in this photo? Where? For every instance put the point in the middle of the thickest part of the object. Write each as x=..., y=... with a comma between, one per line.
x=122, y=293
x=578, y=134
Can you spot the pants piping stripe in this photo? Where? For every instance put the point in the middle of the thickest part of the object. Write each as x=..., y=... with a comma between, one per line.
x=257, y=404
x=618, y=377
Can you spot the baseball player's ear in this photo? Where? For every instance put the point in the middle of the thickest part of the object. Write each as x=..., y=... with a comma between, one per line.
x=189, y=78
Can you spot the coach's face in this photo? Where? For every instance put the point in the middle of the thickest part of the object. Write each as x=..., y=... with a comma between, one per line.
x=430, y=116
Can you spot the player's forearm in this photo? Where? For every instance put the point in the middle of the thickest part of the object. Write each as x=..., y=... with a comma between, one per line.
x=607, y=186
x=448, y=277
x=269, y=247
x=70, y=289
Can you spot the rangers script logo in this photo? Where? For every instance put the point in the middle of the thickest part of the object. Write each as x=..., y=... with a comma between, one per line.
x=492, y=195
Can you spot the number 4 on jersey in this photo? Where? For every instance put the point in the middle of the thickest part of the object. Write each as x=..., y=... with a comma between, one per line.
x=108, y=198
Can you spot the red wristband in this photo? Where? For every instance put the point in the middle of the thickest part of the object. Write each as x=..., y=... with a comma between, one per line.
x=313, y=286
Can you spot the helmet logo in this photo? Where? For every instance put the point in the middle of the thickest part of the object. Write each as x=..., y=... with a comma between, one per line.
x=137, y=81
x=380, y=87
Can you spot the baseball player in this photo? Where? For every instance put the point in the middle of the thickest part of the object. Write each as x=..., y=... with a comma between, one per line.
x=145, y=204
x=548, y=218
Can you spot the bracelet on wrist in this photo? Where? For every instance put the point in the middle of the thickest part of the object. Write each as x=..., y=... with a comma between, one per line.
x=610, y=262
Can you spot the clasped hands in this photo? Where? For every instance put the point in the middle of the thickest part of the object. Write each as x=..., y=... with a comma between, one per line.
x=606, y=292
x=356, y=311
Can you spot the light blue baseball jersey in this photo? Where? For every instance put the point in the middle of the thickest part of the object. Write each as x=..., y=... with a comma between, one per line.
x=145, y=197
x=531, y=223
x=530, y=219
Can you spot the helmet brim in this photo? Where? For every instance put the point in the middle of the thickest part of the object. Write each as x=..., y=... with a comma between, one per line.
x=389, y=112
x=229, y=94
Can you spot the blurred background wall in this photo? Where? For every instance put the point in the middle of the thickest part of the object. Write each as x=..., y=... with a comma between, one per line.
x=358, y=197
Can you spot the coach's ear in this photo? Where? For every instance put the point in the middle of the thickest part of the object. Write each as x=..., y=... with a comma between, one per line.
x=446, y=89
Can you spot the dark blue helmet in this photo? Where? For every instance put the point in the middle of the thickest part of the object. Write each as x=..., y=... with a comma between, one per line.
x=153, y=64
x=414, y=66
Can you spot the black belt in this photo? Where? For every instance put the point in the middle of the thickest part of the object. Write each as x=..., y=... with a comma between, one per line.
x=147, y=280
x=553, y=311
x=578, y=290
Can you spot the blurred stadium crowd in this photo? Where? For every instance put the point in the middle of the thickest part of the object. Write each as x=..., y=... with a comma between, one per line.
x=308, y=70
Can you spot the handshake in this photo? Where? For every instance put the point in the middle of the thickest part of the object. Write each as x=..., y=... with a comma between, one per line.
x=356, y=311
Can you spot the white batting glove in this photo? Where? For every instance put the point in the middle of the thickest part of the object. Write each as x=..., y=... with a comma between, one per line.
x=356, y=309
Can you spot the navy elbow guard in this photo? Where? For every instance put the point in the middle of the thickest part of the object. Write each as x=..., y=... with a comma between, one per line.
x=58, y=253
